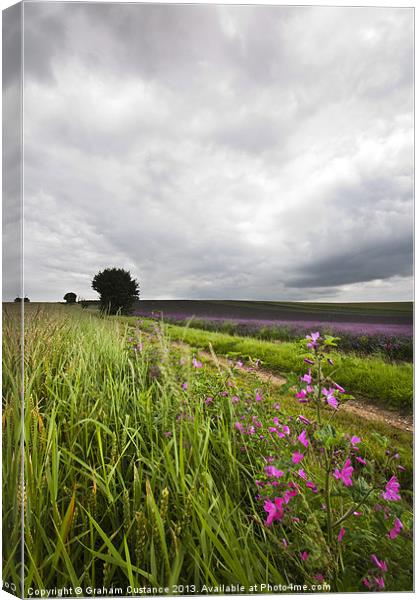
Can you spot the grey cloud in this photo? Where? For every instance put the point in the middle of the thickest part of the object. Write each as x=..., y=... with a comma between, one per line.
x=218, y=151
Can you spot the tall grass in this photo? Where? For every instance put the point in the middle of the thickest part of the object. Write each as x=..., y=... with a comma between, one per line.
x=129, y=479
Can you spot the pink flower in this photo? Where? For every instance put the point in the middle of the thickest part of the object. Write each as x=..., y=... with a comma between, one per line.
x=339, y=388
x=288, y=495
x=304, y=555
x=239, y=427
x=239, y=364
x=301, y=396
x=312, y=486
x=185, y=385
x=274, y=509
x=168, y=434
x=381, y=564
x=313, y=340
x=392, y=489
x=235, y=399
x=302, y=474
x=380, y=582
x=396, y=529
x=345, y=473
x=361, y=460
x=196, y=363
x=341, y=534
x=273, y=472
x=355, y=440
x=307, y=378
x=304, y=420
x=297, y=457
x=302, y=439
x=319, y=577
x=258, y=396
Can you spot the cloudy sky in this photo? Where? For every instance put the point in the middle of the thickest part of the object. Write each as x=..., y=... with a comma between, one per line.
x=242, y=152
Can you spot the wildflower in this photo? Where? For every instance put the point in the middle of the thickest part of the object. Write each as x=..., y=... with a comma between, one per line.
x=341, y=534
x=313, y=340
x=339, y=388
x=381, y=564
x=196, y=363
x=357, y=514
x=312, y=486
x=185, y=385
x=308, y=361
x=258, y=396
x=297, y=457
x=274, y=509
x=167, y=434
x=304, y=555
x=391, y=490
x=273, y=472
x=361, y=460
x=239, y=364
x=251, y=430
x=302, y=474
x=330, y=398
x=345, y=473
x=239, y=427
x=396, y=529
x=330, y=362
x=235, y=399
x=307, y=378
x=302, y=439
x=284, y=542
x=380, y=582
x=319, y=577
x=355, y=440
x=304, y=420
x=302, y=396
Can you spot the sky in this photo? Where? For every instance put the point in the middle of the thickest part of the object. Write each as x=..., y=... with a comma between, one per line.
x=231, y=152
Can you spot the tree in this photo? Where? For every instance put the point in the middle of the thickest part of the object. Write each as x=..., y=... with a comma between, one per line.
x=70, y=297
x=26, y=299
x=117, y=290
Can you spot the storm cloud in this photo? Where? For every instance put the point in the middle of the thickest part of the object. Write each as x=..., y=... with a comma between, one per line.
x=243, y=152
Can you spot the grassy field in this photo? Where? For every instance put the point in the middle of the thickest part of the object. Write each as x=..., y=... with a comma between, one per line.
x=137, y=474
x=390, y=385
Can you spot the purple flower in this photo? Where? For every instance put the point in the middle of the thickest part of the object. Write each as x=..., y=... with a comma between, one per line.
x=235, y=399
x=304, y=420
x=392, y=489
x=302, y=439
x=341, y=534
x=396, y=529
x=297, y=457
x=273, y=472
x=308, y=361
x=304, y=555
x=196, y=363
x=274, y=509
x=307, y=378
x=355, y=440
x=313, y=340
x=312, y=486
x=302, y=474
x=258, y=396
x=185, y=385
x=381, y=564
x=345, y=473
x=361, y=460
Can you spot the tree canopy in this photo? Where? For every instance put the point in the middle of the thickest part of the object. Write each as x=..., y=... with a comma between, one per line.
x=70, y=297
x=117, y=290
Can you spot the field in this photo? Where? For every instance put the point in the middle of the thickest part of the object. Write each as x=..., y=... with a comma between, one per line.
x=150, y=464
x=365, y=328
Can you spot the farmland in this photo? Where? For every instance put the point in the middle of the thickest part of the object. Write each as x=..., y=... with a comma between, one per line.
x=150, y=464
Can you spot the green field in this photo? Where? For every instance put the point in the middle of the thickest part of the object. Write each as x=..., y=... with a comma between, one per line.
x=134, y=478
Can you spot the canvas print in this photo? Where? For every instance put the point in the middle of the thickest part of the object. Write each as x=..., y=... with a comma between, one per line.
x=207, y=299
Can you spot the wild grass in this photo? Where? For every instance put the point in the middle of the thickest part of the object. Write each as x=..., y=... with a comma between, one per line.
x=131, y=480
x=388, y=384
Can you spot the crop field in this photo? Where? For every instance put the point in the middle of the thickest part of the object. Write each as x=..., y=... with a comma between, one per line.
x=365, y=328
x=151, y=463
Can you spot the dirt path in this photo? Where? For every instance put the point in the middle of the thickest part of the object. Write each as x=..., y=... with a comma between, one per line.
x=363, y=409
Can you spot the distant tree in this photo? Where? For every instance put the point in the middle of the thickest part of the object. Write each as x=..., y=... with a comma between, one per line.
x=117, y=290
x=70, y=297
x=26, y=299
